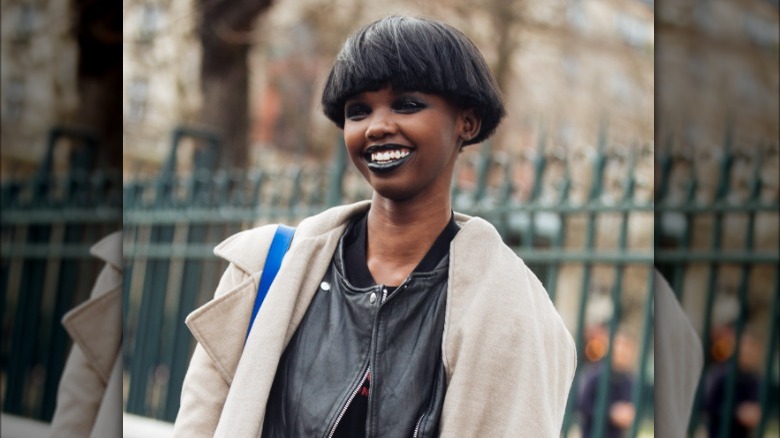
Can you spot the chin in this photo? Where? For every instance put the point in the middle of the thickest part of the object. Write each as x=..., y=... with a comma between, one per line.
x=395, y=190
x=395, y=194
x=384, y=187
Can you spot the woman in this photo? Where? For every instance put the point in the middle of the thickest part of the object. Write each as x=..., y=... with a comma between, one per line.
x=394, y=317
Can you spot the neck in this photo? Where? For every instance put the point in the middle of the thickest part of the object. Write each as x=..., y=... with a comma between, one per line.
x=401, y=233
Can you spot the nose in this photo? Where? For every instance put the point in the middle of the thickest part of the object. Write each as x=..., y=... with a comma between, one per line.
x=380, y=126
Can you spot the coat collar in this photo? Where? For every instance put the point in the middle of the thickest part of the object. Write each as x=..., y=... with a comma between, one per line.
x=109, y=249
x=315, y=240
x=95, y=325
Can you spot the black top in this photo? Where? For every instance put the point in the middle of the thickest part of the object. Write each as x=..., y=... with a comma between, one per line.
x=356, y=241
x=353, y=424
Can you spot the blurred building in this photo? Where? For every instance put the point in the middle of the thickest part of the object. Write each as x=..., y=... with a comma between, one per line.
x=580, y=67
x=60, y=72
x=38, y=73
x=727, y=46
x=161, y=64
x=564, y=66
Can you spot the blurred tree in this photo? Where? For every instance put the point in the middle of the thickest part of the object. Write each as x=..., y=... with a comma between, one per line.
x=499, y=41
x=225, y=31
x=98, y=31
x=332, y=21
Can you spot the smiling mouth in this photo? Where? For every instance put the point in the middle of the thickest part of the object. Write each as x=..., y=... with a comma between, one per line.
x=386, y=158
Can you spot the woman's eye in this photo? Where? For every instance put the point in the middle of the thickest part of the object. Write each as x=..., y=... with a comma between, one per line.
x=356, y=112
x=409, y=106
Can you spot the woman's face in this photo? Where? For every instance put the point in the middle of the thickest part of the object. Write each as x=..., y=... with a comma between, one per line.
x=405, y=143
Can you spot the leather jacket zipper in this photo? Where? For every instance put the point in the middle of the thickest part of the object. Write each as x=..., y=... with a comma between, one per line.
x=397, y=289
x=368, y=369
x=360, y=384
x=417, y=426
x=349, y=402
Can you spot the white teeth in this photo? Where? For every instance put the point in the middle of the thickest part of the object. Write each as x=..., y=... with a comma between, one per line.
x=389, y=155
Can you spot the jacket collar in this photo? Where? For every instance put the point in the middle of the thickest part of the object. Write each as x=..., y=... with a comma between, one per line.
x=95, y=325
x=302, y=269
x=109, y=249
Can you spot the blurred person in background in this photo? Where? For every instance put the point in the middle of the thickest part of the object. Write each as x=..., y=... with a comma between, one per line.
x=394, y=317
x=620, y=410
x=747, y=410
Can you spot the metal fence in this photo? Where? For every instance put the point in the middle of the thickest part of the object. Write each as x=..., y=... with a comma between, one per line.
x=584, y=220
x=48, y=224
x=716, y=231
x=541, y=203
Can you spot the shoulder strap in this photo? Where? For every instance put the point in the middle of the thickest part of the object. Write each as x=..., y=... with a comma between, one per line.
x=279, y=246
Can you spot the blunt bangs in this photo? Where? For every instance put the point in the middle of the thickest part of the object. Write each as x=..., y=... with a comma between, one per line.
x=414, y=54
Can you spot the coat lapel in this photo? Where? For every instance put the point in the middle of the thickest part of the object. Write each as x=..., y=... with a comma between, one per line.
x=284, y=307
x=220, y=325
x=109, y=249
x=95, y=325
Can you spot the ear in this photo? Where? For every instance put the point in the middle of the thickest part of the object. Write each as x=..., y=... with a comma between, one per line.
x=470, y=124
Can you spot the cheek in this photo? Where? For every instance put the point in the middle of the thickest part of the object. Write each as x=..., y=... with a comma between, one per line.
x=448, y=141
x=353, y=139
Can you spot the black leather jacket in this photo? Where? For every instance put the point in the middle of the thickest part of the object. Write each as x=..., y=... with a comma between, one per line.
x=348, y=331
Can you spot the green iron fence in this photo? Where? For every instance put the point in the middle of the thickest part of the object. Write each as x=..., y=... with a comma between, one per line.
x=717, y=243
x=584, y=220
x=48, y=224
x=172, y=223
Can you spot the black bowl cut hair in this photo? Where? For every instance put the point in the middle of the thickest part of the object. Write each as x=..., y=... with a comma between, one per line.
x=414, y=54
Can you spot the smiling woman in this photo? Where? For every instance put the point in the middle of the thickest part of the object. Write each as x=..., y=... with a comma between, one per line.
x=394, y=317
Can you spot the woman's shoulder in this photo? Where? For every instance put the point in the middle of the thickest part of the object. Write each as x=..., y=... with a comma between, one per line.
x=494, y=294
x=481, y=262
x=478, y=253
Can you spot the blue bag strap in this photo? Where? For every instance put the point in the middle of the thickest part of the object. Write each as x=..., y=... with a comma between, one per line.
x=279, y=246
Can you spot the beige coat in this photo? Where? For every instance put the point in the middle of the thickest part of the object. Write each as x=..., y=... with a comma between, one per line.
x=678, y=363
x=89, y=400
x=508, y=357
